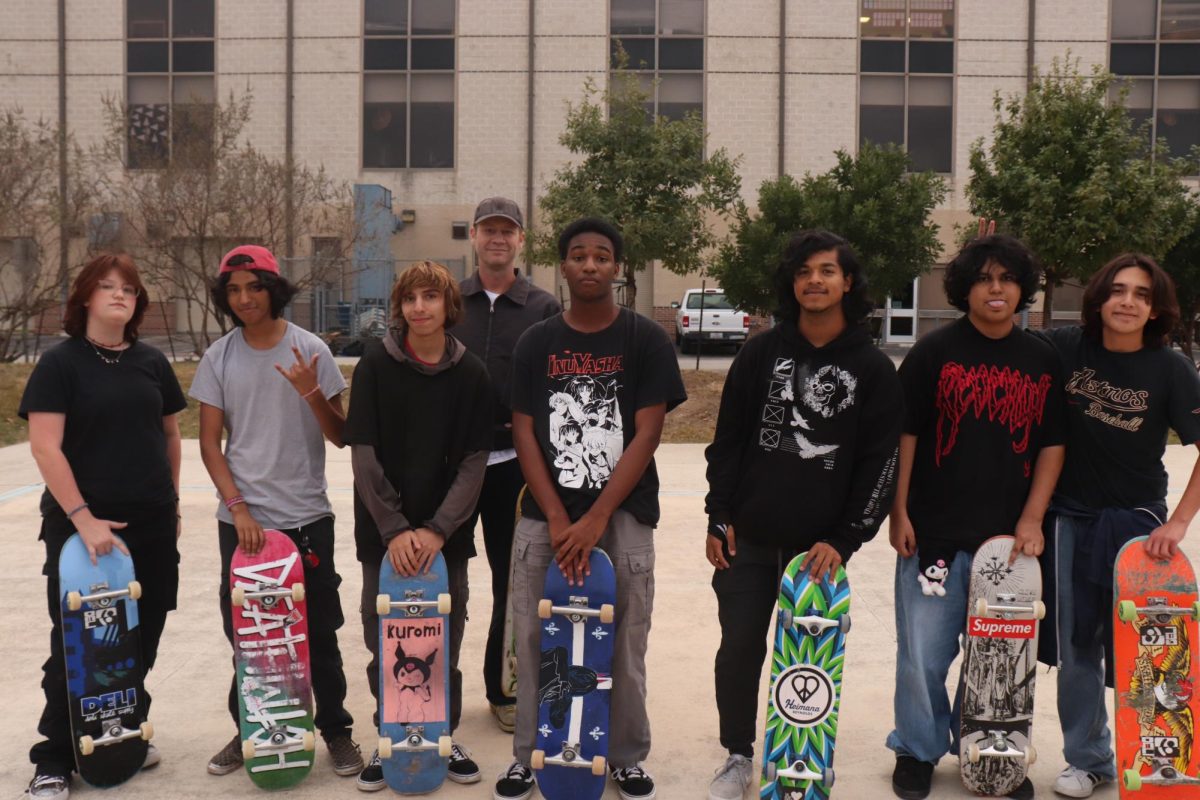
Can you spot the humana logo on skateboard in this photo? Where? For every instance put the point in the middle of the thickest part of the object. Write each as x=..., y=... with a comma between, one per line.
x=804, y=695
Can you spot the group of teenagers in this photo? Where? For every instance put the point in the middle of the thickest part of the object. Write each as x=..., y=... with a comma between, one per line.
x=485, y=386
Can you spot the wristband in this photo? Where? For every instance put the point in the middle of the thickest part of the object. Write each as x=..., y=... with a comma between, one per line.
x=76, y=510
x=311, y=391
x=233, y=501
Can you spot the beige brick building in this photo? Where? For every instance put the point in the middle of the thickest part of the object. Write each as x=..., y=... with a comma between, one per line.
x=444, y=102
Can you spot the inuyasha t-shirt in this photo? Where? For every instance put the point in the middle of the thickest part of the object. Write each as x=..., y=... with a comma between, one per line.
x=583, y=391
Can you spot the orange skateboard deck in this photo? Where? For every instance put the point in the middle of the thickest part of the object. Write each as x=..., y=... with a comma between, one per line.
x=1154, y=632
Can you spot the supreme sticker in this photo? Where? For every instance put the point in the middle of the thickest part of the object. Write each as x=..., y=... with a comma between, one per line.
x=1002, y=628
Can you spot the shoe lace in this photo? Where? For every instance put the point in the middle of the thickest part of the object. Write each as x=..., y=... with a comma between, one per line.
x=47, y=781
x=732, y=769
x=517, y=770
x=457, y=753
x=374, y=762
x=626, y=773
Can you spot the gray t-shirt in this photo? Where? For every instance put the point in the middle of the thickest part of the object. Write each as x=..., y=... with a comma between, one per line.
x=275, y=447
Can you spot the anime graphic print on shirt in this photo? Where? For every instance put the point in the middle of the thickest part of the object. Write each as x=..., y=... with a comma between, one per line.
x=799, y=400
x=586, y=429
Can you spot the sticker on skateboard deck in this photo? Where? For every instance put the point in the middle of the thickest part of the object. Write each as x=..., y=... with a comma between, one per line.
x=812, y=620
x=998, y=668
x=270, y=634
x=414, y=677
x=102, y=657
x=575, y=682
x=1154, y=666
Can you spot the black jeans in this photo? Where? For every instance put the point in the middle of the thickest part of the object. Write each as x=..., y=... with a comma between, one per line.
x=498, y=507
x=150, y=537
x=324, y=618
x=746, y=594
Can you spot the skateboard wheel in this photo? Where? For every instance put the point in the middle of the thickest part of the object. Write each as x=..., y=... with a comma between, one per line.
x=308, y=741
x=74, y=601
x=385, y=748
x=827, y=777
x=248, y=749
x=1126, y=611
x=537, y=759
x=1039, y=609
x=1030, y=755
x=86, y=745
x=844, y=623
x=1196, y=610
x=1132, y=780
x=545, y=608
x=606, y=613
x=297, y=592
x=147, y=729
x=981, y=607
x=772, y=771
x=237, y=596
x=444, y=746
x=785, y=622
x=443, y=605
x=383, y=605
x=598, y=765
x=973, y=754
x=135, y=590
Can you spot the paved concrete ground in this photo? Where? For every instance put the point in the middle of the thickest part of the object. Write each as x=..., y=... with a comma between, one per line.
x=190, y=681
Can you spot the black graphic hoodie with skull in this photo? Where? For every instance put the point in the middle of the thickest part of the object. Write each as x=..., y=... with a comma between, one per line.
x=806, y=442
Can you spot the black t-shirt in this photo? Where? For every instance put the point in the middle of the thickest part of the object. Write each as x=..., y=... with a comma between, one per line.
x=583, y=391
x=421, y=427
x=981, y=409
x=1119, y=407
x=113, y=437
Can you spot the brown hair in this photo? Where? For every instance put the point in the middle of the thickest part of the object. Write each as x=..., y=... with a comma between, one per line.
x=427, y=275
x=96, y=270
x=1163, y=304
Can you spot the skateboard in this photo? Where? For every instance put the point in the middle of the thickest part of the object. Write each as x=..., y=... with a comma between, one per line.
x=102, y=655
x=1155, y=674
x=811, y=624
x=575, y=682
x=414, y=677
x=998, y=669
x=270, y=634
x=508, y=662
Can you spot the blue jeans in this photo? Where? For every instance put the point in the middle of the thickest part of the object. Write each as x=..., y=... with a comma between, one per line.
x=928, y=628
x=1087, y=742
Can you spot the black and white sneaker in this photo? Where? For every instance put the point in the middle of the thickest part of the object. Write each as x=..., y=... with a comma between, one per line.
x=371, y=778
x=462, y=768
x=47, y=786
x=515, y=783
x=634, y=783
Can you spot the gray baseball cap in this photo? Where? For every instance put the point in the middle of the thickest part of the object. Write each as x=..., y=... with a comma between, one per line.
x=499, y=207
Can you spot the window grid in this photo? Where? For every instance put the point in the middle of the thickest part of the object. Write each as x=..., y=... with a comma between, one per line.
x=684, y=85
x=428, y=70
x=890, y=31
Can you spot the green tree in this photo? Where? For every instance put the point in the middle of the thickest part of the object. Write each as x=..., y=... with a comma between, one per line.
x=872, y=200
x=651, y=178
x=1067, y=172
x=1183, y=263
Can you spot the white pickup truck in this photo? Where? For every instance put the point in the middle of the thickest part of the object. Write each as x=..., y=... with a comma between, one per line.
x=721, y=323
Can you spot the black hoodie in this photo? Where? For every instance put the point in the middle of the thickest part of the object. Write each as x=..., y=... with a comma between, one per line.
x=806, y=441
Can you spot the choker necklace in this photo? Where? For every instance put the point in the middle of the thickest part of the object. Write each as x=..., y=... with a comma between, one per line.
x=99, y=343
x=104, y=358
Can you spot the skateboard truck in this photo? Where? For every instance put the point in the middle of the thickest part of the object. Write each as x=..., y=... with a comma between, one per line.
x=279, y=740
x=570, y=755
x=1007, y=607
x=75, y=600
x=813, y=625
x=240, y=594
x=1127, y=611
x=799, y=771
x=1163, y=775
x=576, y=612
x=412, y=604
x=998, y=746
x=114, y=732
x=414, y=740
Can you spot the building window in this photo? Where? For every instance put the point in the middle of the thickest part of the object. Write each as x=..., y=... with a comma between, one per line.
x=1156, y=46
x=663, y=42
x=906, y=83
x=408, y=86
x=170, y=63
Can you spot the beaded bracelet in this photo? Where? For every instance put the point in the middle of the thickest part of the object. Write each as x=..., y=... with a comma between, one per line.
x=233, y=501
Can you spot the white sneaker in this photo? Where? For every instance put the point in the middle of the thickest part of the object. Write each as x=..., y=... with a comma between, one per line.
x=732, y=779
x=1074, y=782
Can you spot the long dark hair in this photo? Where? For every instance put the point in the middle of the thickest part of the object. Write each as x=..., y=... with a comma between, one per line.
x=1006, y=251
x=280, y=291
x=96, y=270
x=1163, y=303
x=856, y=305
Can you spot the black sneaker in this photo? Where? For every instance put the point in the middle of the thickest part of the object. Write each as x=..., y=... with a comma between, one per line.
x=228, y=759
x=515, y=783
x=47, y=786
x=911, y=778
x=462, y=768
x=371, y=778
x=1022, y=792
x=634, y=783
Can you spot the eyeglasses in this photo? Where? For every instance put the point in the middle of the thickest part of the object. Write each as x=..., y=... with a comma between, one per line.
x=126, y=289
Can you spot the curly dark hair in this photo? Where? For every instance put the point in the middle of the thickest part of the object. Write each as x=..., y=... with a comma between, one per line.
x=1163, y=303
x=1010, y=253
x=96, y=270
x=592, y=225
x=277, y=286
x=856, y=305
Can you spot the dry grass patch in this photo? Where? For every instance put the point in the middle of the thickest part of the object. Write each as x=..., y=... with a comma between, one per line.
x=695, y=420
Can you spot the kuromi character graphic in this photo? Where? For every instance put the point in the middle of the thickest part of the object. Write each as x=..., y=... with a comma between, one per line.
x=412, y=679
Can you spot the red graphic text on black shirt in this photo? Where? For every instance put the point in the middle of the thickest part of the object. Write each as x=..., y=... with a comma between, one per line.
x=1000, y=395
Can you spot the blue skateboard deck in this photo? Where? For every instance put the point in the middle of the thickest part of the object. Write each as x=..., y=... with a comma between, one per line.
x=102, y=653
x=812, y=621
x=414, y=677
x=575, y=682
